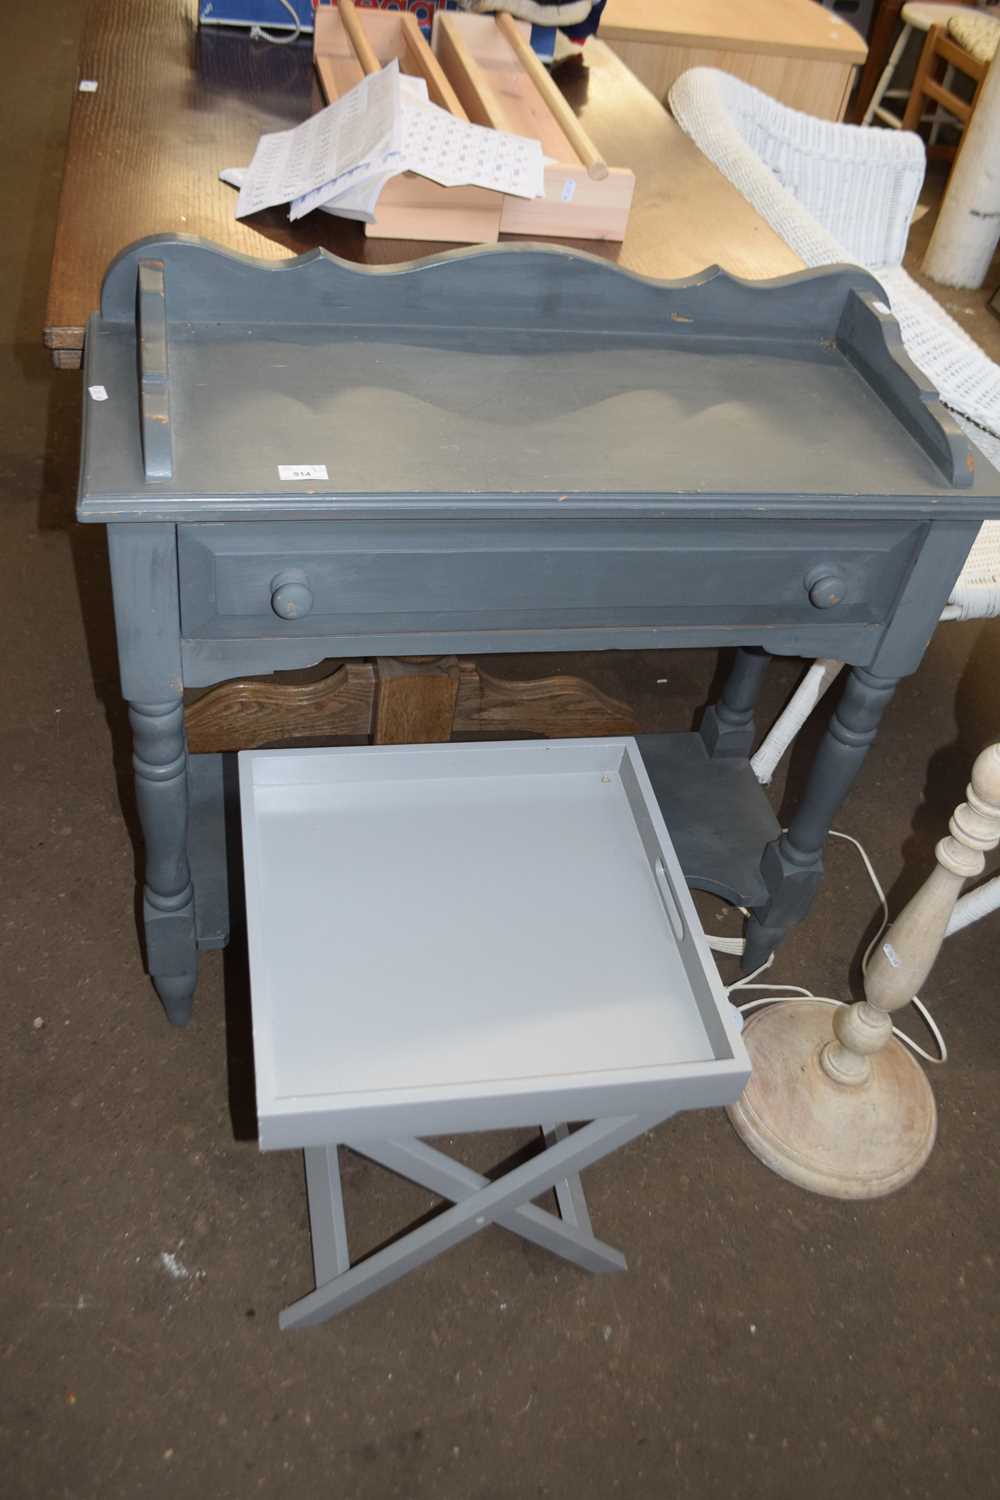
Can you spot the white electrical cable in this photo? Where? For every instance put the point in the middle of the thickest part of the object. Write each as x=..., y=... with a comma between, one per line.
x=795, y=991
x=258, y=34
x=820, y=676
x=974, y=905
x=734, y=946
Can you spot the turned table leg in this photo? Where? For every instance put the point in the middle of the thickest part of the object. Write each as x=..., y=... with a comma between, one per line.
x=909, y=949
x=161, y=793
x=727, y=727
x=792, y=867
x=147, y=618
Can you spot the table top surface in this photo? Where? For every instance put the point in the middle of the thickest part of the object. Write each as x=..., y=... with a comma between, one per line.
x=499, y=379
x=175, y=104
x=794, y=28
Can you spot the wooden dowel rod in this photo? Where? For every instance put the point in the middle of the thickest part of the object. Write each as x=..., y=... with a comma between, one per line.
x=356, y=36
x=596, y=166
x=423, y=60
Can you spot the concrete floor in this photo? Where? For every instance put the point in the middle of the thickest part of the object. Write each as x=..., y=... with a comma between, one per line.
x=763, y=1342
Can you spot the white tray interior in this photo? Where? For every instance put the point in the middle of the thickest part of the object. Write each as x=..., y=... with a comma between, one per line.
x=439, y=916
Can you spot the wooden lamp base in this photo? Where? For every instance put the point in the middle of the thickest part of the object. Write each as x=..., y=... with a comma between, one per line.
x=857, y=1139
x=835, y=1103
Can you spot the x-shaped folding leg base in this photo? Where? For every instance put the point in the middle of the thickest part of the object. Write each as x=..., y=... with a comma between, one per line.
x=476, y=1202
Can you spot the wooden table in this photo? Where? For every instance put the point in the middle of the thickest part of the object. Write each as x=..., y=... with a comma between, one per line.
x=173, y=105
x=792, y=49
x=525, y=449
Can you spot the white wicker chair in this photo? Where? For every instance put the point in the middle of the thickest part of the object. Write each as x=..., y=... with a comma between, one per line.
x=838, y=193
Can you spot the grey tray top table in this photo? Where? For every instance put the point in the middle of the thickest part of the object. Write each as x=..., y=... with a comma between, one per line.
x=453, y=938
x=516, y=449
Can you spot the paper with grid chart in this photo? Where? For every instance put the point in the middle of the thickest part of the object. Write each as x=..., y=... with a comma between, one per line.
x=455, y=153
x=340, y=159
x=348, y=142
x=452, y=152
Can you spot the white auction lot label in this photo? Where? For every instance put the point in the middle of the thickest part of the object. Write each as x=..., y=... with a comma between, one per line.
x=302, y=471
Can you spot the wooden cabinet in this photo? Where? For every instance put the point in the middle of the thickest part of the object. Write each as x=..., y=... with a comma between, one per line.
x=794, y=50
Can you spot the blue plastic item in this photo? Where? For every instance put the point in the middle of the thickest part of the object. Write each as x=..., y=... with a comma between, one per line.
x=270, y=14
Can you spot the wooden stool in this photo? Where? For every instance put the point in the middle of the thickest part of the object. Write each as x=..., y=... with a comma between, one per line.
x=919, y=15
x=453, y=938
x=943, y=46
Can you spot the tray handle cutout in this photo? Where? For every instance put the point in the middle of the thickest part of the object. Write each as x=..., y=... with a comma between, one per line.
x=667, y=897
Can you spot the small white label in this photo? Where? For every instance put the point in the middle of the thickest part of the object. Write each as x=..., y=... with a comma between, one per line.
x=97, y=393
x=302, y=471
x=892, y=955
x=568, y=189
x=87, y=86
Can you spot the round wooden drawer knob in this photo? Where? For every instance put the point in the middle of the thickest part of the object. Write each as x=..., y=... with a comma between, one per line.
x=291, y=596
x=826, y=588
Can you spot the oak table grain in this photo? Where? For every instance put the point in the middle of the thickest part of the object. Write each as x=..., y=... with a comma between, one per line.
x=174, y=104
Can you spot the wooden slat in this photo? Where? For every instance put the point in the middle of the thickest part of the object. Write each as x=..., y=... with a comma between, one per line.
x=915, y=103
x=154, y=371
x=471, y=84
x=423, y=62
x=147, y=147
x=938, y=47
x=578, y=138
x=964, y=61
x=952, y=103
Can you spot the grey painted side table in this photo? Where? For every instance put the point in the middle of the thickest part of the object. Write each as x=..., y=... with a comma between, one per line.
x=512, y=450
x=599, y=1004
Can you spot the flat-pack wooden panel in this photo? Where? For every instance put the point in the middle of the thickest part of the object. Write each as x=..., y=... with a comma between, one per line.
x=466, y=936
